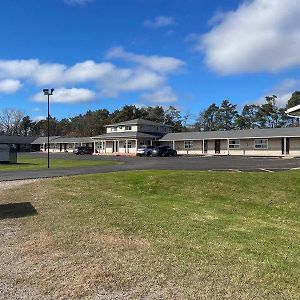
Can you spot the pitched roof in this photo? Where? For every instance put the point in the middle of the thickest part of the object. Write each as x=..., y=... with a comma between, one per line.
x=137, y=122
x=43, y=140
x=234, y=134
x=124, y=135
x=16, y=139
x=62, y=140
x=67, y=140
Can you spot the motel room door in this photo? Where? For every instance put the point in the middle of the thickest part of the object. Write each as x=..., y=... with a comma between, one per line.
x=287, y=146
x=217, y=146
x=205, y=146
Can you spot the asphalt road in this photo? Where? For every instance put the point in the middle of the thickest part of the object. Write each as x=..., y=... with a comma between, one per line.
x=237, y=164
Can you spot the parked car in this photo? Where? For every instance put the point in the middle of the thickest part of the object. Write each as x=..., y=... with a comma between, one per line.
x=83, y=150
x=144, y=151
x=163, y=151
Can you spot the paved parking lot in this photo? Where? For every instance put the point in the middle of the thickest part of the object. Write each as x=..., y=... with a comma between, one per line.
x=237, y=164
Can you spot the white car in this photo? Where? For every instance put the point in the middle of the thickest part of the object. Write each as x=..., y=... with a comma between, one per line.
x=144, y=151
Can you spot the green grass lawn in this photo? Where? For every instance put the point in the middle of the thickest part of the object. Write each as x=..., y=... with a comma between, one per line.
x=165, y=235
x=35, y=163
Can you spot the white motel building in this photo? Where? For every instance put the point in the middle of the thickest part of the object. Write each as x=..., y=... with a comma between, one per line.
x=125, y=137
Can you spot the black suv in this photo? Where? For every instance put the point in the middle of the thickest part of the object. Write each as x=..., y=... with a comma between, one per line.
x=83, y=150
x=163, y=151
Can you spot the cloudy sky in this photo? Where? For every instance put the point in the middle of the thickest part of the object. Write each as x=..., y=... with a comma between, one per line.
x=107, y=53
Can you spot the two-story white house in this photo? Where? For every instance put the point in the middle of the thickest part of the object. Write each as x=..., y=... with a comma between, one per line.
x=125, y=137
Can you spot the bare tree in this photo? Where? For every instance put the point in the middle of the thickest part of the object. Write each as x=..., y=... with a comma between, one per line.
x=10, y=121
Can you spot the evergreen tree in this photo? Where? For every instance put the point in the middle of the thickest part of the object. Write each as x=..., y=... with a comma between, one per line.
x=226, y=116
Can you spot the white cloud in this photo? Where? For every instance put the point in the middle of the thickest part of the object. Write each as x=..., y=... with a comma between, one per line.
x=160, y=21
x=77, y=2
x=147, y=73
x=9, y=86
x=160, y=64
x=88, y=70
x=67, y=96
x=163, y=95
x=260, y=35
x=127, y=80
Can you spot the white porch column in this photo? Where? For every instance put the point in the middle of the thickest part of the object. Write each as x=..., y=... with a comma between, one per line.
x=151, y=142
x=284, y=146
x=94, y=147
x=202, y=146
x=126, y=146
x=136, y=145
x=118, y=146
x=228, y=146
x=104, y=146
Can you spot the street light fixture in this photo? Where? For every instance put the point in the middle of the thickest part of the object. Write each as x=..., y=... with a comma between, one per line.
x=48, y=94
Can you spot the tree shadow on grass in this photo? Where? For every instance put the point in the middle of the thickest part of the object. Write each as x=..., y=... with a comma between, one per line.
x=17, y=210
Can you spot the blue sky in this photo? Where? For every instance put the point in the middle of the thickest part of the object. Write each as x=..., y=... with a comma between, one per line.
x=107, y=53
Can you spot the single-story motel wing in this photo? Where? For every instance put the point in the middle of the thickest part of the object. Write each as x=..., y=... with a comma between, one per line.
x=253, y=142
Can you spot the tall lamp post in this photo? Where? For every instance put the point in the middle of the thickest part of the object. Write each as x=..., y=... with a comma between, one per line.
x=48, y=94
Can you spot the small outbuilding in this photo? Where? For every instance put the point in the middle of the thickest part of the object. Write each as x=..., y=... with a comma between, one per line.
x=7, y=155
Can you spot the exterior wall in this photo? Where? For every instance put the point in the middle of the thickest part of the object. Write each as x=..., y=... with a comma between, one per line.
x=134, y=128
x=179, y=147
x=107, y=147
x=295, y=146
x=140, y=128
x=246, y=147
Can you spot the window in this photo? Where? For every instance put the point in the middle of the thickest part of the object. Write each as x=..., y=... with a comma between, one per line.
x=261, y=144
x=129, y=144
x=188, y=144
x=234, y=144
x=128, y=128
x=114, y=129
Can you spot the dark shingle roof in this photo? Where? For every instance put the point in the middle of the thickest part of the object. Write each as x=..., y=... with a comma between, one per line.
x=16, y=139
x=137, y=122
x=234, y=134
x=124, y=135
x=66, y=140
x=43, y=140
x=62, y=140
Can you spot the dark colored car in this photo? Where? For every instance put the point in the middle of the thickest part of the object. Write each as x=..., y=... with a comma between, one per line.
x=145, y=151
x=163, y=151
x=83, y=150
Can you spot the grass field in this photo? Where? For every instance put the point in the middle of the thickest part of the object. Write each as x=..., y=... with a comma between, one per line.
x=36, y=163
x=156, y=235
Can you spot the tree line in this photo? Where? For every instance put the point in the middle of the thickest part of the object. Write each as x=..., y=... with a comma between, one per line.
x=225, y=116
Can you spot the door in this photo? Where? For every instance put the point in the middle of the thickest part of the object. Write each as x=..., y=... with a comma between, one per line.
x=115, y=146
x=217, y=146
x=205, y=146
x=285, y=146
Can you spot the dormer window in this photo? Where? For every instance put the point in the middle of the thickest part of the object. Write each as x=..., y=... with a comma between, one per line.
x=128, y=128
x=114, y=129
